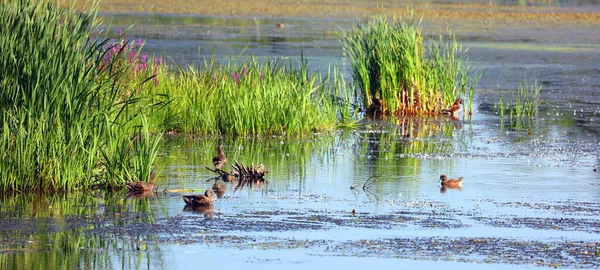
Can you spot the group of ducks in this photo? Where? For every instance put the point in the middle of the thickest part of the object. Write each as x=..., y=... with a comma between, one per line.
x=208, y=198
x=219, y=161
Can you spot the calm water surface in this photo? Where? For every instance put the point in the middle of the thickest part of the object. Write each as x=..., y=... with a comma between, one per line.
x=512, y=177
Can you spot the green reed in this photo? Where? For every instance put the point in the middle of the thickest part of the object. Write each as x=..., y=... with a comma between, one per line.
x=522, y=106
x=62, y=109
x=390, y=62
x=250, y=97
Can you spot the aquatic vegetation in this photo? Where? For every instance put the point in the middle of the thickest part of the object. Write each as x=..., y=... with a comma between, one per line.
x=250, y=97
x=521, y=107
x=390, y=62
x=66, y=125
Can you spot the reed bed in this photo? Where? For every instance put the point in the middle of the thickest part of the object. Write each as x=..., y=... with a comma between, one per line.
x=65, y=121
x=245, y=97
x=391, y=63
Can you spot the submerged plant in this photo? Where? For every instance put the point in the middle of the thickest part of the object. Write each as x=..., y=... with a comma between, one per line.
x=61, y=105
x=390, y=63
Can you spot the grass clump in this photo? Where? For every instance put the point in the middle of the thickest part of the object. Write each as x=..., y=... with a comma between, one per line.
x=391, y=63
x=522, y=106
x=65, y=121
x=252, y=97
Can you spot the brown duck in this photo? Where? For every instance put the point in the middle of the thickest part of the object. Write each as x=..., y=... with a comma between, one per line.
x=140, y=187
x=197, y=200
x=375, y=109
x=451, y=182
x=219, y=160
x=454, y=108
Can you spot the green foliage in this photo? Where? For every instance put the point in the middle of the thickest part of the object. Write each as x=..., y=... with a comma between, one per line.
x=522, y=106
x=249, y=97
x=60, y=102
x=390, y=62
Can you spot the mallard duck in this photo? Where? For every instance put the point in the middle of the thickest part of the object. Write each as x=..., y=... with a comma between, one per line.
x=140, y=187
x=280, y=25
x=219, y=160
x=451, y=182
x=454, y=108
x=195, y=200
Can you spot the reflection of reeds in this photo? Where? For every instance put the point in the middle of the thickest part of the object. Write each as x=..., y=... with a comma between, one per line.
x=390, y=62
x=63, y=236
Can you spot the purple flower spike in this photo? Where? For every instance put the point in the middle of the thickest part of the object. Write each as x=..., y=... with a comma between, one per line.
x=244, y=71
x=131, y=56
x=140, y=42
x=236, y=78
x=120, y=32
x=144, y=58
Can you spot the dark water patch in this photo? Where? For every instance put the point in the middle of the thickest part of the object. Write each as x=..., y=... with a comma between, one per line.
x=543, y=223
x=479, y=250
x=565, y=208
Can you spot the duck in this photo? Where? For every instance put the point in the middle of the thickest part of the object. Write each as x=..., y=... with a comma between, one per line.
x=219, y=160
x=454, y=108
x=197, y=200
x=376, y=108
x=140, y=187
x=451, y=182
x=280, y=25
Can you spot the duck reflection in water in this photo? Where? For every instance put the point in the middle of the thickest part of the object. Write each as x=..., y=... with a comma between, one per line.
x=207, y=210
x=219, y=188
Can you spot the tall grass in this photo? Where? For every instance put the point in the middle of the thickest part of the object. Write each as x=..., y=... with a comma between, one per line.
x=390, y=62
x=521, y=106
x=251, y=97
x=62, y=109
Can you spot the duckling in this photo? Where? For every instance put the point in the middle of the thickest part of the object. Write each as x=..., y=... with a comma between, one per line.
x=454, y=108
x=220, y=160
x=451, y=182
x=195, y=200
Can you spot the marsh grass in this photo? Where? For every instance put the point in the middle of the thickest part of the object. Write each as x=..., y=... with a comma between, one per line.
x=250, y=97
x=521, y=107
x=390, y=62
x=62, y=110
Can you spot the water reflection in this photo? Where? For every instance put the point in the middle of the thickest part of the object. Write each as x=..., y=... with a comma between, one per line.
x=54, y=232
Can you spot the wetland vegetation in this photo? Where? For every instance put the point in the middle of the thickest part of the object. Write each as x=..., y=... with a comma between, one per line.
x=107, y=112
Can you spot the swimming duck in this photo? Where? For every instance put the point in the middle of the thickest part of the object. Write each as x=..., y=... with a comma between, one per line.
x=451, y=182
x=454, y=108
x=196, y=200
x=219, y=160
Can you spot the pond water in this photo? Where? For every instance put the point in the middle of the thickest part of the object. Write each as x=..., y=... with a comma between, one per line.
x=362, y=197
